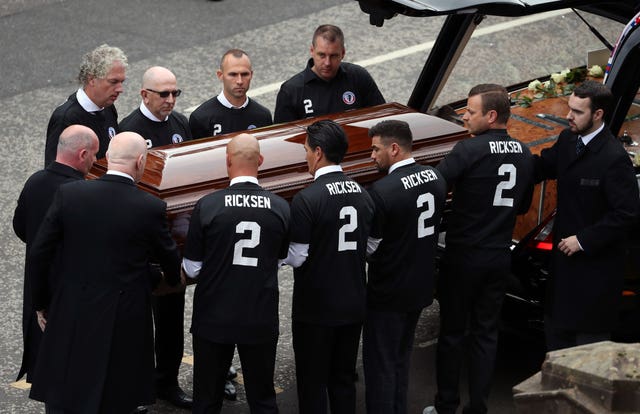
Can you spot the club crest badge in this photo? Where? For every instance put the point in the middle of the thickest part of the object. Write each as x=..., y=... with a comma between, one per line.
x=112, y=132
x=349, y=98
x=251, y=127
x=176, y=138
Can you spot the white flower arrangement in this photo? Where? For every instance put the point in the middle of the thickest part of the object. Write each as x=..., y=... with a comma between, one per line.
x=596, y=71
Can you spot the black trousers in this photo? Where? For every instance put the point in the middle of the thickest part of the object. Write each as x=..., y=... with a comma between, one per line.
x=325, y=363
x=386, y=352
x=168, y=315
x=210, y=368
x=471, y=290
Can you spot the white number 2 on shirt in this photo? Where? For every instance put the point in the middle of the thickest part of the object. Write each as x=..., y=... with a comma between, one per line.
x=508, y=184
x=252, y=241
x=352, y=214
x=308, y=106
x=423, y=229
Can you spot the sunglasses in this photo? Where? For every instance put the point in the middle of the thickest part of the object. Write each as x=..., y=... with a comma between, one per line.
x=165, y=94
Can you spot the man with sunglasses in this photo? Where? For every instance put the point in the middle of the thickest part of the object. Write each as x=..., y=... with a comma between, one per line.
x=102, y=75
x=232, y=110
x=155, y=119
x=159, y=124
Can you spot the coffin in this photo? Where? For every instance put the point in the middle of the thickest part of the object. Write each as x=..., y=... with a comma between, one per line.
x=180, y=174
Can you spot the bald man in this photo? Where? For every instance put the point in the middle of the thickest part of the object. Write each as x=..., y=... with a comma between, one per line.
x=76, y=152
x=96, y=353
x=159, y=124
x=235, y=239
x=155, y=118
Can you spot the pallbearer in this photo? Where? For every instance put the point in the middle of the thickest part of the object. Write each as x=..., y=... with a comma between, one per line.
x=330, y=223
x=235, y=239
x=491, y=176
x=409, y=203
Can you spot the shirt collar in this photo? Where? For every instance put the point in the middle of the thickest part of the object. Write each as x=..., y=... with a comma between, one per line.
x=224, y=101
x=121, y=174
x=146, y=112
x=326, y=170
x=86, y=103
x=589, y=137
x=401, y=164
x=243, y=179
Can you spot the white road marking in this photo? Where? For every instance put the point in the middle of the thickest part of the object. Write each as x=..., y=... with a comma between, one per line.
x=422, y=47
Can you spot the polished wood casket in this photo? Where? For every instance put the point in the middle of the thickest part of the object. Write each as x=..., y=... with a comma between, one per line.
x=181, y=174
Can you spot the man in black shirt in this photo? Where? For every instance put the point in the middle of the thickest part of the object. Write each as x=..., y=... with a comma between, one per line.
x=232, y=110
x=330, y=222
x=409, y=203
x=77, y=148
x=159, y=124
x=235, y=239
x=102, y=74
x=327, y=84
x=492, y=179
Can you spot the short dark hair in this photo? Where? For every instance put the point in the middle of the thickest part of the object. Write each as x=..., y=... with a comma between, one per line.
x=494, y=98
x=599, y=95
x=330, y=33
x=330, y=137
x=393, y=130
x=237, y=53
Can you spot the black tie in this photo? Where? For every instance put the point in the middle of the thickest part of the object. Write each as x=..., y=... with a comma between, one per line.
x=580, y=146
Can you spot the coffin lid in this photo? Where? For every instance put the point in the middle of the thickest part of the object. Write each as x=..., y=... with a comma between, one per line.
x=182, y=173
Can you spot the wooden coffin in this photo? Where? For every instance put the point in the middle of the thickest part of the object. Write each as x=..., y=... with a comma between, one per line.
x=181, y=174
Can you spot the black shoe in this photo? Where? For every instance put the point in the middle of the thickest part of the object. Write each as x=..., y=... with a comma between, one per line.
x=175, y=396
x=232, y=374
x=140, y=410
x=230, y=391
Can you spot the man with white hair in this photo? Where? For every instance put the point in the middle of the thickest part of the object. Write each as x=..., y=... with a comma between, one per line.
x=102, y=75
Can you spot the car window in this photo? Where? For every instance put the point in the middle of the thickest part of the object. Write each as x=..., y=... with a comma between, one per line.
x=510, y=51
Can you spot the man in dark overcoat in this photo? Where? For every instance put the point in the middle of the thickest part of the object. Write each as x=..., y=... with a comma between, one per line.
x=96, y=354
x=76, y=152
x=597, y=204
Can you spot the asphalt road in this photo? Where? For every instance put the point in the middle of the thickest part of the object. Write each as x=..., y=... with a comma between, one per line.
x=41, y=42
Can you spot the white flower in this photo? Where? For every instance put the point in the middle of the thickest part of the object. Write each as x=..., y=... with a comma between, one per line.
x=565, y=72
x=546, y=84
x=596, y=71
x=557, y=77
x=533, y=85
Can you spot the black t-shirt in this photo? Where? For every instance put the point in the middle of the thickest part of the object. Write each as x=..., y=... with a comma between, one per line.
x=409, y=203
x=104, y=123
x=172, y=131
x=306, y=95
x=492, y=180
x=333, y=215
x=212, y=118
x=238, y=234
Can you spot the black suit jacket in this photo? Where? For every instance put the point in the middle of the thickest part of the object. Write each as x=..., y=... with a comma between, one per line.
x=97, y=349
x=34, y=200
x=598, y=202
